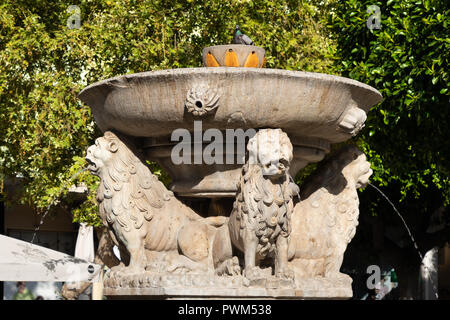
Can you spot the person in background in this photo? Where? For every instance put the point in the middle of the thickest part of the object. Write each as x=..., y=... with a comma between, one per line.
x=22, y=292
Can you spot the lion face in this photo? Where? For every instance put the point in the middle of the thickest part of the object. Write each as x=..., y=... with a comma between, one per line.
x=272, y=151
x=273, y=164
x=358, y=169
x=100, y=155
x=365, y=172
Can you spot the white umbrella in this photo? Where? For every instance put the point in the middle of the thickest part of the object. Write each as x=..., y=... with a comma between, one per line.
x=84, y=248
x=23, y=261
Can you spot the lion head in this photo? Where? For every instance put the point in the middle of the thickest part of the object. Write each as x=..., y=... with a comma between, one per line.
x=270, y=149
x=358, y=169
x=122, y=173
x=348, y=167
x=353, y=165
x=103, y=154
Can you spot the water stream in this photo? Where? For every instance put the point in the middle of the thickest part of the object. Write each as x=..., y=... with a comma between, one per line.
x=412, y=238
x=47, y=210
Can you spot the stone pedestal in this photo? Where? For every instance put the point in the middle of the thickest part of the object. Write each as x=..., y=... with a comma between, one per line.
x=198, y=286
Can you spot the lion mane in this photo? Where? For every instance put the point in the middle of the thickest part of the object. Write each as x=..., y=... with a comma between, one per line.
x=128, y=188
x=263, y=205
x=257, y=205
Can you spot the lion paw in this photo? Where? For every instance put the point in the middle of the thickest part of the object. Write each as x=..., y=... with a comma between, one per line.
x=117, y=270
x=253, y=273
x=157, y=266
x=122, y=269
x=234, y=267
x=229, y=267
x=285, y=274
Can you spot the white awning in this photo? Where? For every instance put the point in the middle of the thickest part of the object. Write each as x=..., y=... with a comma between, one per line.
x=23, y=261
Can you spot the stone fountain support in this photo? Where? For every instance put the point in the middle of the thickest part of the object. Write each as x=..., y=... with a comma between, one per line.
x=262, y=236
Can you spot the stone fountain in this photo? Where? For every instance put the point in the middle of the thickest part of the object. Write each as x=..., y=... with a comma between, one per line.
x=237, y=226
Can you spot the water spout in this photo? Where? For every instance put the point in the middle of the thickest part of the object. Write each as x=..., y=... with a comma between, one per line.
x=410, y=235
x=50, y=205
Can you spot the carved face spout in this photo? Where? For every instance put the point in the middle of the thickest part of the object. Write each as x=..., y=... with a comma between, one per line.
x=92, y=166
x=275, y=169
x=99, y=155
x=272, y=151
x=359, y=170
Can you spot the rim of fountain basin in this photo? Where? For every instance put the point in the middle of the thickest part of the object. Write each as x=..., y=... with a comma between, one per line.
x=292, y=73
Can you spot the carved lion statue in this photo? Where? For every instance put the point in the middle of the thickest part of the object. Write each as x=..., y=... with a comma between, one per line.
x=325, y=221
x=146, y=219
x=260, y=220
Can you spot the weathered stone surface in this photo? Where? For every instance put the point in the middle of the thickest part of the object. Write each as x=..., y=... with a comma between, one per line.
x=152, y=104
x=210, y=286
x=313, y=109
x=260, y=220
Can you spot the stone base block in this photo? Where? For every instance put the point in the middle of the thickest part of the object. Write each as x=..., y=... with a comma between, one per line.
x=201, y=286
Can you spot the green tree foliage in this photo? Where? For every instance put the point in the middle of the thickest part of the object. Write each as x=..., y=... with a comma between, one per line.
x=407, y=136
x=45, y=130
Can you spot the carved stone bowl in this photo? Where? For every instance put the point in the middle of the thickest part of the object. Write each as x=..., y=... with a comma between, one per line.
x=314, y=109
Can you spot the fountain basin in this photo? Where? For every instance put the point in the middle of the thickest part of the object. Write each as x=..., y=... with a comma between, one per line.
x=152, y=104
x=314, y=109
